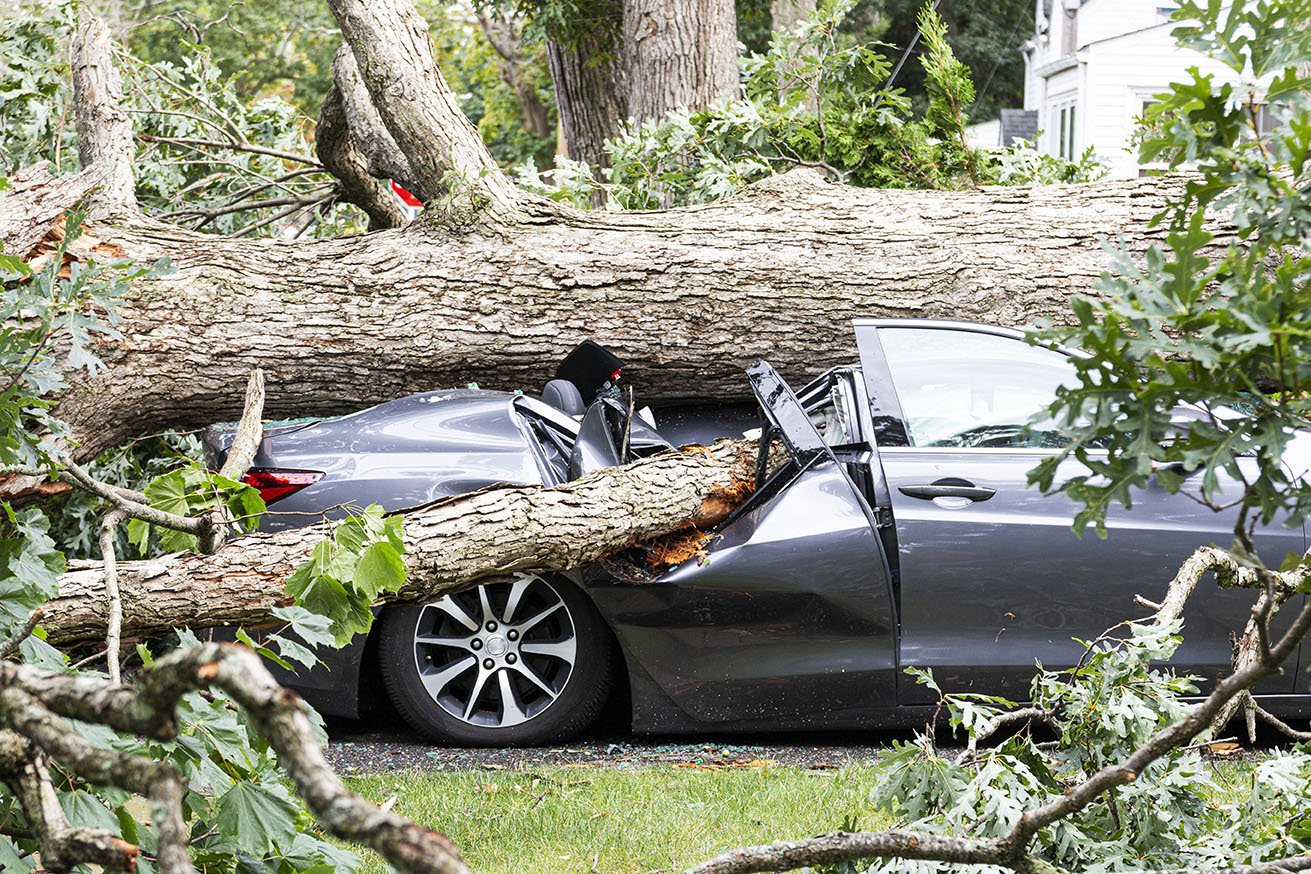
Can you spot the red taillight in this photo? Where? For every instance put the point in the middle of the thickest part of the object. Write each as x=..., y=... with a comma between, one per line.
x=274, y=485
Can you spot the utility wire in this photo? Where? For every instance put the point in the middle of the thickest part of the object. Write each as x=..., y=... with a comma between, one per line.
x=1009, y=40
x=901, y=62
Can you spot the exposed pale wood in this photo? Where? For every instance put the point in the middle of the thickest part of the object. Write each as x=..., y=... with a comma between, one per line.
x=35, y=201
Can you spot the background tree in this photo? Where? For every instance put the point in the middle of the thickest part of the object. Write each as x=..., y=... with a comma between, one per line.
x=985, y=34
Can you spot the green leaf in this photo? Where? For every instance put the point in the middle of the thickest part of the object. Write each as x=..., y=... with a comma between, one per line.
x=380, y=569
x=314, y=629
x=256, y=819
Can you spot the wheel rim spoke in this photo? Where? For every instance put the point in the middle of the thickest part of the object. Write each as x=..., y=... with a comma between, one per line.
x=477, y=692
x=564, y=650
x=461, y=632
x=516, y=593
x=537, y=681
x=435, y=683
x=512, y=711
x=452, y=608
x=525, y=626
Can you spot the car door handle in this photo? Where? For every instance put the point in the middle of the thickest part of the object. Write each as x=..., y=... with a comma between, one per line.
x=948, y=488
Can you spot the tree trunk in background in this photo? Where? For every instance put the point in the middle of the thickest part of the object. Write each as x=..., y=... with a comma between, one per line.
x=687, y=297
x=787, y=14
x=502, y=31
x=589, y=95
x=679, y=55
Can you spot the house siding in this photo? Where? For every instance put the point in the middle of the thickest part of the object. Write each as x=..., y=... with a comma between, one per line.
x=1125, y=54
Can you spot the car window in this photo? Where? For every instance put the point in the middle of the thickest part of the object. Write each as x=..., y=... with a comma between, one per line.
x=967, y=389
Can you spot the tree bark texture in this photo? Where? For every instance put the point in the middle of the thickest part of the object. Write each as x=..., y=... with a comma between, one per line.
x=104, y=131
x=449, y=545
x=679, y=55
x=687, y=297
x=391, y=46
x=368, y=133
x=589, y=94
x=336, y=148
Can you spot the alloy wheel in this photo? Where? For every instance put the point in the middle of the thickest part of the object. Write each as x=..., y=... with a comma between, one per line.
x=497, y=655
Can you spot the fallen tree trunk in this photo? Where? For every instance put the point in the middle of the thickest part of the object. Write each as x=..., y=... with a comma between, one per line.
x=688, y=297
x=449, y=545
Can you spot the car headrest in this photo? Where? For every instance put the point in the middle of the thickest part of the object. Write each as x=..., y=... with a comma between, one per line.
x=564, y=396
x=590, y=366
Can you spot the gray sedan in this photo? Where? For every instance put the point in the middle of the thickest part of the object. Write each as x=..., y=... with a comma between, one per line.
x=900, y=532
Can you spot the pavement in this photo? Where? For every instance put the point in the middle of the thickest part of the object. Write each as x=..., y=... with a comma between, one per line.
x=383, y=746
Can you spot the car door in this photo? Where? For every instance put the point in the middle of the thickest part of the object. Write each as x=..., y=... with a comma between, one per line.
x=992, y=579
x=786, y=620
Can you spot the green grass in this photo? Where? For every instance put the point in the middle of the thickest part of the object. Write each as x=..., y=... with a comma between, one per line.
x=619, y=821
x=645, y=819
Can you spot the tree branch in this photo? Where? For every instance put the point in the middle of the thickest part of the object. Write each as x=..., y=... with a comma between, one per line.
x=114, y=621
x=63, y=847
x=104, y=132
x=38, y=701
x=1011, y=851
x=337, y=150
x=393, y=51
x=451, y=544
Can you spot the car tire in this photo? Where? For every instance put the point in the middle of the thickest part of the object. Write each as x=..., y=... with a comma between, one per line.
x=449, y=665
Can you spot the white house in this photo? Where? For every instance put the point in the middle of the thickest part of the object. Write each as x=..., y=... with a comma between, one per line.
x=1093, y=66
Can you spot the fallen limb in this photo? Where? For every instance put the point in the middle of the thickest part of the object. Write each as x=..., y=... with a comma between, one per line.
x=450, y=545
x=36, y=704
x=1012, y=850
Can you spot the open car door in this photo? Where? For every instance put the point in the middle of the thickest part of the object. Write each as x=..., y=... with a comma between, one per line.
x=786, y=621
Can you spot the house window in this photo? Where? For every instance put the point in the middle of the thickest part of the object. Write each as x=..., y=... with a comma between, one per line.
x=1063, y=121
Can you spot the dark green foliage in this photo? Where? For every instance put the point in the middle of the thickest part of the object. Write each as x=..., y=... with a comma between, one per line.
x=1200, y=362
x=985, y=35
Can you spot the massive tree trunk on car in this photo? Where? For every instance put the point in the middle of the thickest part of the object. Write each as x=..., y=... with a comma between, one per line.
x=686, y=297
x=494, y=286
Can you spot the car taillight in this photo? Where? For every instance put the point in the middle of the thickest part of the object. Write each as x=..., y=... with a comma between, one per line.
x=274, y=485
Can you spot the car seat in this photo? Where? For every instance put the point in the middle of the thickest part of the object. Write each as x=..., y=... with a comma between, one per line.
x=564, y=396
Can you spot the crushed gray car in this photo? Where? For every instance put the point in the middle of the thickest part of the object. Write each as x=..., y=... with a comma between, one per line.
x=900, y=532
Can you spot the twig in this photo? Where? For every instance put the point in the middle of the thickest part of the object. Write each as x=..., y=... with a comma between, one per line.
x=9, y=646
x=114, y=632
x=233, y=145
